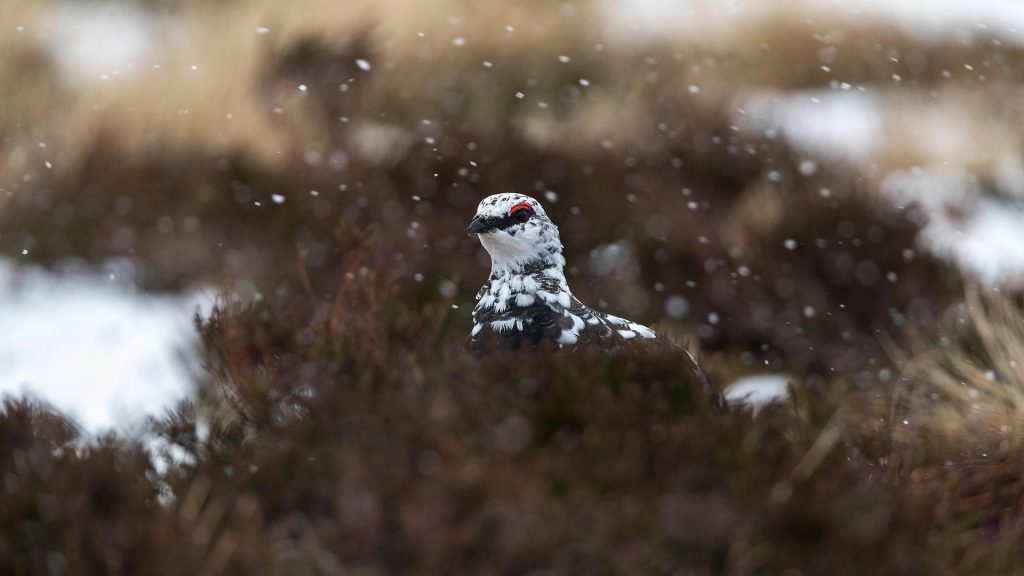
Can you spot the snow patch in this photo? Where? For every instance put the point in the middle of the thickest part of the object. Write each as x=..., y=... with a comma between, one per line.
x=948, y=19
x=935, y=20
x=92, y=40
x=94, y=347
x=980, y=233
x=758, y=390
x=841, y=126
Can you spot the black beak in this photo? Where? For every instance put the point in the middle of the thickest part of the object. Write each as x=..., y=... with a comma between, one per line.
x=480, y=225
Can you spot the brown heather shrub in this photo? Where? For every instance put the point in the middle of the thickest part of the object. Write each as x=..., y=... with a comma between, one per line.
x=71, y=505
x=355, y=434
x=378, y=442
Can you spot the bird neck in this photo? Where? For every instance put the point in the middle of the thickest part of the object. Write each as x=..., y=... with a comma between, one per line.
x=551, y=265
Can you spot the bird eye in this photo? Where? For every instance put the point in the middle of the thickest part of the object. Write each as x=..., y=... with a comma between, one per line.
x=521, y=212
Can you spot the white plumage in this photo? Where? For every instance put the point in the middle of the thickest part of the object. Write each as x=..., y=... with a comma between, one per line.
x=527, y=301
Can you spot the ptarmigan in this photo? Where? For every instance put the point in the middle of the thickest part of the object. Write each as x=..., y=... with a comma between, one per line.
x=527, y=302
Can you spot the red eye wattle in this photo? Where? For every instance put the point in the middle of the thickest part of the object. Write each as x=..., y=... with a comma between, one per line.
x=519, y=206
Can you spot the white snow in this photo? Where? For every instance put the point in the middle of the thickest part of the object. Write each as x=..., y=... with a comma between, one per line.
x=979, y=231
x=758, y=390
x=989, y=244
x=841, y=126
x=92, y=39
x=93, y=346
x=950, y=20
x=648, y=16
x=982, y=234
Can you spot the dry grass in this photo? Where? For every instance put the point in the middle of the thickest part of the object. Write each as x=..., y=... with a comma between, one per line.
x=967, y=386
x=227, y=103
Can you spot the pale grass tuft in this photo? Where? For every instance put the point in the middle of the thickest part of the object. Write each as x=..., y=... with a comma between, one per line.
x=968, y=388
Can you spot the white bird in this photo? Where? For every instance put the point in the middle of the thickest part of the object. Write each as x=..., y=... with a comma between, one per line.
x=526, y=302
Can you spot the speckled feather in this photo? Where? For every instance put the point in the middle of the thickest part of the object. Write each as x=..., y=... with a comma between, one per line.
x=527, y=301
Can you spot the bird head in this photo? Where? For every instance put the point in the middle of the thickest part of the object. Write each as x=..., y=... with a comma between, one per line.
x=516, y=232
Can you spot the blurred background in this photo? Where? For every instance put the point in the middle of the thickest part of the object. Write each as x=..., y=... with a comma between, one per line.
x=818, y=192
x=782, y=181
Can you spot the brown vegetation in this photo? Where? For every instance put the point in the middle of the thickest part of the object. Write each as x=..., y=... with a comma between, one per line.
x=341, y=428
